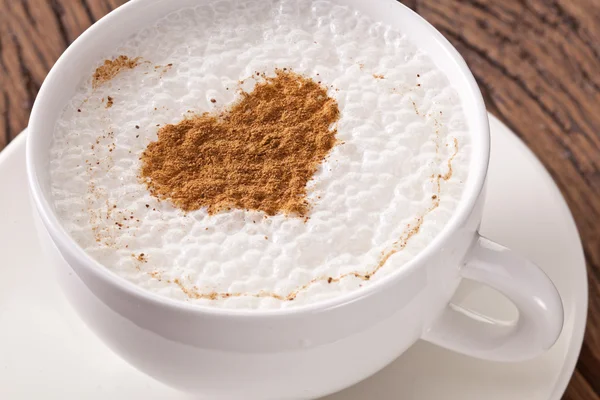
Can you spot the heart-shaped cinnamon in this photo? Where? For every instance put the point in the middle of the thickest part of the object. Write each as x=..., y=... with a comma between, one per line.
x=258, y=154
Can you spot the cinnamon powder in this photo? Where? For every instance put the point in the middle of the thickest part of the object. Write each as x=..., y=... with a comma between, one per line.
x=111, y=68
x=257, y=155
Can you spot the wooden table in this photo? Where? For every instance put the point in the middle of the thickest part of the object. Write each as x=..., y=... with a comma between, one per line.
x=537, y=63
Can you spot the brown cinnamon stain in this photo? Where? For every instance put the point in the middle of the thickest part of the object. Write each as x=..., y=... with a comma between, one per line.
x=106, y=221
x=111, y=68
x=437, y=137
x=156, y=275
x=415, y=107
x=163, y=69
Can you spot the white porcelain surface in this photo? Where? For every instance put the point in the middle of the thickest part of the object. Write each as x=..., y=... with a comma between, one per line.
x=472, y=333
x=284, y=353
x=47, y=352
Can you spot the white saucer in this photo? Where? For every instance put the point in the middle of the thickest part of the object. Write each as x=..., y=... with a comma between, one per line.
x=47, y=352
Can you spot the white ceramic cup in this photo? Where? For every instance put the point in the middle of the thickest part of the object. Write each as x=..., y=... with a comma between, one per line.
x=317, y=349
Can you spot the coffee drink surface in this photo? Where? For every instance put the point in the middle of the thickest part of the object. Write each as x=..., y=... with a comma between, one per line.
x=382, y=194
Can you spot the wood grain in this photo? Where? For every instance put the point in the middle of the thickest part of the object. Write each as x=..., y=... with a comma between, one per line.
x=537, y=63
x=33, y=34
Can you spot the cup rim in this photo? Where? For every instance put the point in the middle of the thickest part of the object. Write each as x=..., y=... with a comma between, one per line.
x=66, y=243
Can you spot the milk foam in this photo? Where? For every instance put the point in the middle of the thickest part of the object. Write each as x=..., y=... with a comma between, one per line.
x=378, y=199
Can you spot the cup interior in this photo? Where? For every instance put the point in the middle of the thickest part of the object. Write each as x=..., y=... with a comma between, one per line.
x=101, y=39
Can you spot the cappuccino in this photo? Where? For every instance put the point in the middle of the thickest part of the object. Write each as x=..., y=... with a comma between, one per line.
x=382, y=193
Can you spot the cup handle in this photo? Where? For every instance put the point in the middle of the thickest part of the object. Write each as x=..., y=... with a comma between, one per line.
x=540, y=309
